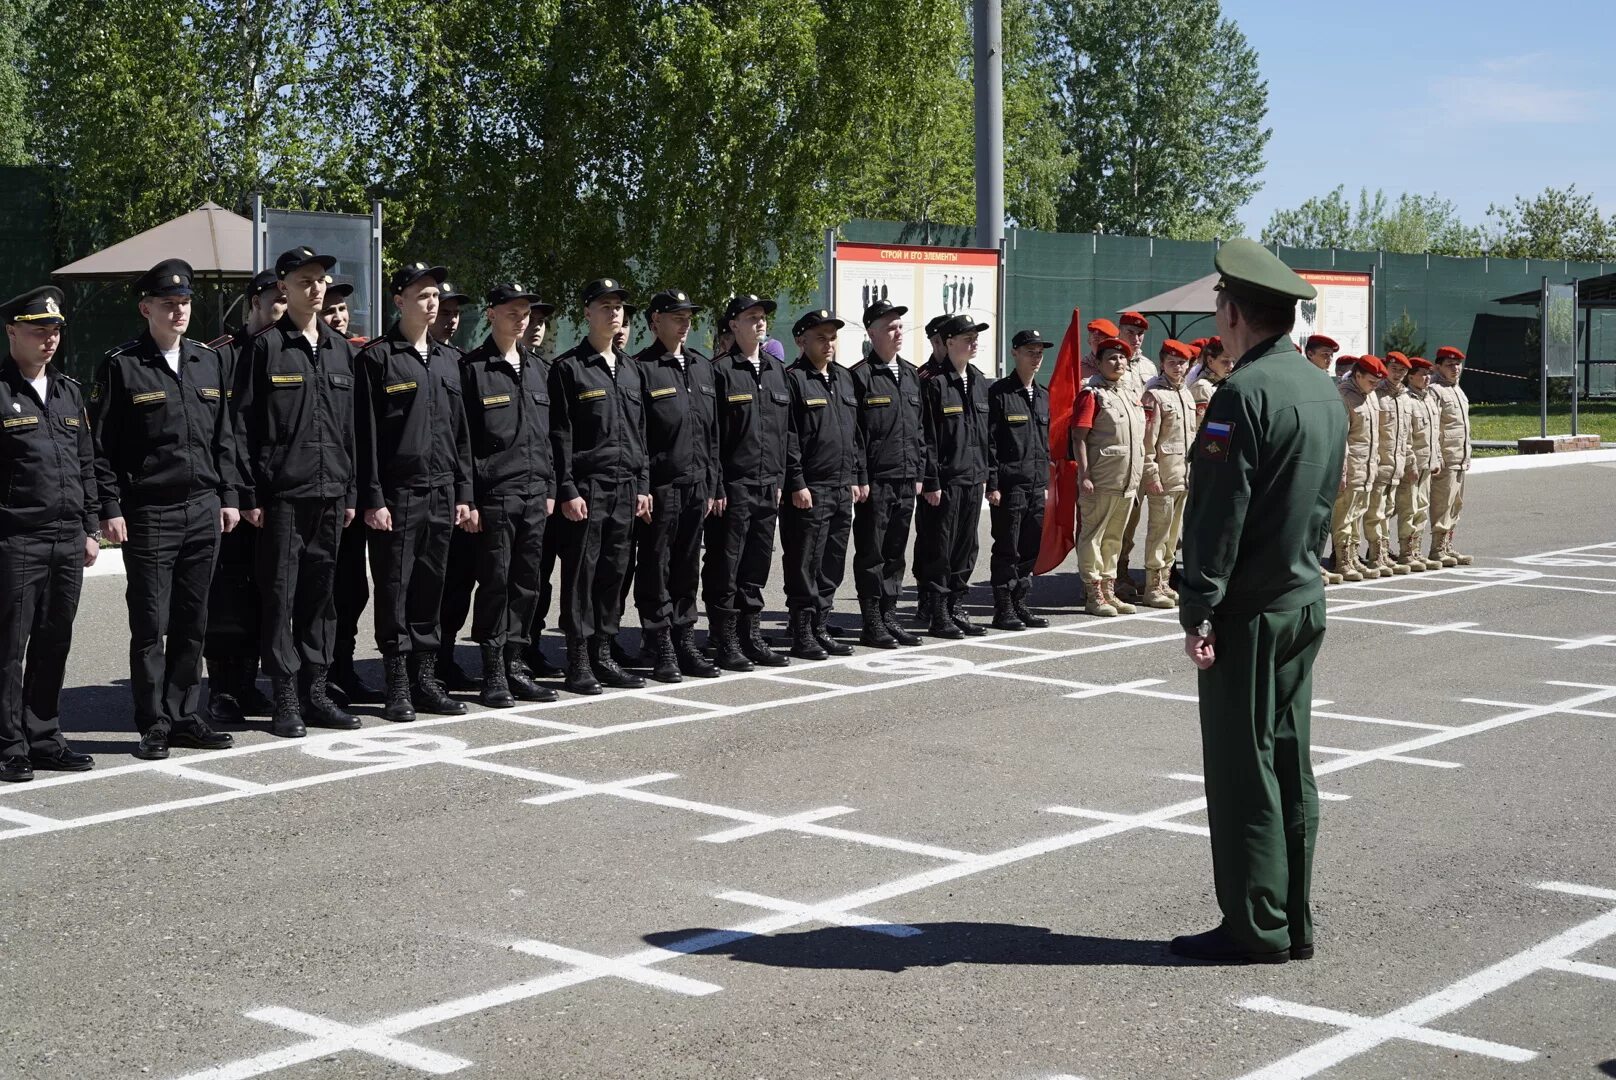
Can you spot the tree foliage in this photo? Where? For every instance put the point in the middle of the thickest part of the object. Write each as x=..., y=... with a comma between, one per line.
x=1558, y=223
x=1163, y=109
x=1403, y=336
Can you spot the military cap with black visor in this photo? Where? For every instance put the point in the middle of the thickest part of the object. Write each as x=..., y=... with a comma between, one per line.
x=1030, y=337
x=880, y=309
x=47, y=522
x=299, y=257
x=745, y=302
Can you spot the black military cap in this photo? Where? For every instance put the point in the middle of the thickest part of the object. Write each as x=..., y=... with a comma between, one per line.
x=300, y=257
x=1029, y=337
x=933, y=324
x=671, y=300
x=171, y=277
x=542, y=309
x=506, y=292
x=447, y=291
x=880, y=310
x=261, y=282
x=339, y=290
x=746, y=302
x=955, y=325
x=36, y=307
x=410, y=273
x=603, y=287
x=813, y=319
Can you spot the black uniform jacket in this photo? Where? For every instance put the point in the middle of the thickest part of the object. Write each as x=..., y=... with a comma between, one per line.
x=597, y=422
x=411, y=425
x=1019, y=429
x=161, y=437
x=955, y=421
x=47, y=457
x=681, y=425
x=296, y=414
x=889, y=419
x=753, y=417
x=823, y=446
x=508, y=414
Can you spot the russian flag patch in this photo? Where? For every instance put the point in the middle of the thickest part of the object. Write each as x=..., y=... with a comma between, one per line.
x=1215, y=438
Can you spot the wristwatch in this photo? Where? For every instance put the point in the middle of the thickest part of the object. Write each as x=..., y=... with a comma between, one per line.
x=1204, y=629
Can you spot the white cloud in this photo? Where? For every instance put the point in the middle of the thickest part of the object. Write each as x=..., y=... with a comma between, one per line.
x=1504, y=65
x=1478, y=99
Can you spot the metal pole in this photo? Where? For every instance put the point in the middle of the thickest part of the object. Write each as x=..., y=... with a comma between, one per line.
x=1543, y=362
x=828, y=282
x=1576, y=378
x=988, y=17
x=376, y=269
x=258, y=256
x=1002, y=355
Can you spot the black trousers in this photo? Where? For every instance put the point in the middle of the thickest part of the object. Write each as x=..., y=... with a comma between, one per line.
x=168, y=564
x=881, y=536
x=508, y=555
x=814, y=542
x=547, y=564
x=667, y=564
x=594, y=558
x=463, y=571
x=408, y=562
x=234, y=615
x=740, y=547
x=944, y=563
x=1018, y=532
x=353, y=587
x=41, y=576
x=297, y=568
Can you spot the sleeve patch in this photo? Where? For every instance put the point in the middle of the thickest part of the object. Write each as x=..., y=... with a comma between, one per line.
x=1215, y=438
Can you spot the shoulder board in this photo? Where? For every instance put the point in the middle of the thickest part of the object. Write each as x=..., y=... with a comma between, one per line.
x=120, y=350
x=264, y=331
x=695, y=354
x=203, y=345
x=69, y=378
x=221, y=341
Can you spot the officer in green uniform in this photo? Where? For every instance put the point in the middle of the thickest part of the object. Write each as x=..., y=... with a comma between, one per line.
x=1267, y=463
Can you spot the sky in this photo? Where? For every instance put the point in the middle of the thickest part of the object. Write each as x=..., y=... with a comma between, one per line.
x=1475, y=100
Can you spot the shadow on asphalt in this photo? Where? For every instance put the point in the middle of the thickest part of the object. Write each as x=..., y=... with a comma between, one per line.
x=1608, y=1067
x=937, y=945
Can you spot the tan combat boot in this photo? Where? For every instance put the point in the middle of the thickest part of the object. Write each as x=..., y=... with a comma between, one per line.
x=1109, y=587
x=1122, y=585
x=1345, y=568
x=1407, y=556
x=1094, y=601
x=1445, y=550
x=1432, y=561
x=1463, y=560
x=1366, y=567
x=1330, y=576
x=1387, y=562
x=1156, y=590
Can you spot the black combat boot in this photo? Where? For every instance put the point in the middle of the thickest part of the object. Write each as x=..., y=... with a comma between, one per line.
x=889, y=619
x=755, y=645
x=538, y=663
x=580, y=674
x=318, y=708
x=691, y=662
x=426, y=692
x=1004, y=613
x=874, y=633
x=287, y=721
x=447, y=670
x=520, y=679
x=727, y=652
x=245, y=684
x=496, y=693
x=665, y=658
x=804, y=646
x=607, y=670
x=350, y=688
x=1018, y=598
x=956, y=612
x=398, y=708
x=941, y=625
x=826, y=639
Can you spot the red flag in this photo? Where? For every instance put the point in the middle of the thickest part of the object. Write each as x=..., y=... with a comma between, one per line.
x=1060, y=513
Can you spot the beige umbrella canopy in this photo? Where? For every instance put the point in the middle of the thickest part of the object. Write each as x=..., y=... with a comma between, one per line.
x=1199, y=297
x=212, y=239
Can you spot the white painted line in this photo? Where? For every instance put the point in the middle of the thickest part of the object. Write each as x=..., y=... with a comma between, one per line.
x=1582, y=967
x=1382, y=721
x=1014, y=648
x=1401, y=759
x=618, y=968
x=810, y=913
x=1598, y=639
x=186, y=772
x=1120, y=688
x=584, y=790
x=669, y=697
x=1540, y=461
x=1579, y=890
x=818, y=684
x=1390, y=1029
x=1443, y=628
x=758, y=828
x=1522, y=705
x=23, y=817
x=1197, y=778
x=1142, y=822
x=345, y=1037
x=1557, y=588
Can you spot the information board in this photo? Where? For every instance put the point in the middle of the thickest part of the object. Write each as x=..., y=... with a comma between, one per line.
x=929, y=281
x=1341, y=311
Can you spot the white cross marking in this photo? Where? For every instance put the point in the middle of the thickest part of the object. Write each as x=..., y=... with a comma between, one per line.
x=1402, y=759
x=341, y=1036
x=1386, y=1029
x=615, y=787
x=1139, y=820
x=601, y=966
x=778, y=824
x=835, y=916
x=1196, y=778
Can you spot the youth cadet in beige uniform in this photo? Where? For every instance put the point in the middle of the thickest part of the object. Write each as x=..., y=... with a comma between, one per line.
x=1131, y=329
x=1320, y=352
x=1396, y=462
x=1170, y=424
x=1447, y=487
x=1108, y=429
x=1414, y=499
x=1359, y=469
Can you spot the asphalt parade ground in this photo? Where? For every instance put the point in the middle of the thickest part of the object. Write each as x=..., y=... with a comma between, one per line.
x=962, y=860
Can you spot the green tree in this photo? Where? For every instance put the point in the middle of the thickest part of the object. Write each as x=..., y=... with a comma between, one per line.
x=1558, y=223
x=1403, y=336
x=15, y=127
x=1162, y=107
x=1413, y=225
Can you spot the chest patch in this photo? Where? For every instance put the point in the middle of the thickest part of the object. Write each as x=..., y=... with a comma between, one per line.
x=400, y=387
x=814, y=402
x=739, y=397
x=148, y=397
x=950, y=410
x=210, y=392
x=71, y=421
x=592, y=395
x=497, y=399
x=1215, y=438
x=664, y=391
x=882, y=400
x=286, y=380
x=1015, y=418
x=21, y=421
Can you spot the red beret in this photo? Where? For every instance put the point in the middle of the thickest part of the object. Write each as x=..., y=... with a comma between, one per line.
x=1371, y=363
x=1133, y=318
x=1198, y=343
x=1393, y=354
x=1319, y=341
x=1103, y=326
x=1215, y=342
x=1178, y=349
x=1114, y=343
x=1195, y=352
x=1448, y=352
x=1419, y=363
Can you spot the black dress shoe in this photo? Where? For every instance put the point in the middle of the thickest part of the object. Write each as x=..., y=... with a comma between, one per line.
x=1217, y=947
x=15, y=769
x=1302, y=952
x=153, y=745
x=199, y=736
x=62, y=760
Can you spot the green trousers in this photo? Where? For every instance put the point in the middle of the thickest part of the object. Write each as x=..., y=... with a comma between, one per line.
x=1262, y=802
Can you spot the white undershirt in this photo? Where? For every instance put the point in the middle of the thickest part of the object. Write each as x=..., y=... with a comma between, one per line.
x=172, y=356
x=40, y=384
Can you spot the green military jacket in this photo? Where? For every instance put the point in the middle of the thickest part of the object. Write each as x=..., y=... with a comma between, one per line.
x=1266, y=466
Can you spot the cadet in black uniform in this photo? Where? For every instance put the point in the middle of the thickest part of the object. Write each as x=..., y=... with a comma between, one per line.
x=506, y=390
x=414, y=487
x=460, y=573
x=888, y=391
x=537, y=328
x=47, y=467
x=926, y=516
x=753, y=416
x=234, y=612
x=825, y=476
x=954, y=412
x=1018, y=480
x=681, y=435
x=166, y=474
x=603, y=482
x=296, y=418
x=353, y=586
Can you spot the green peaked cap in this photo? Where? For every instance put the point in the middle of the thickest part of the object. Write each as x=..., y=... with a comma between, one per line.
x=1248, y=269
